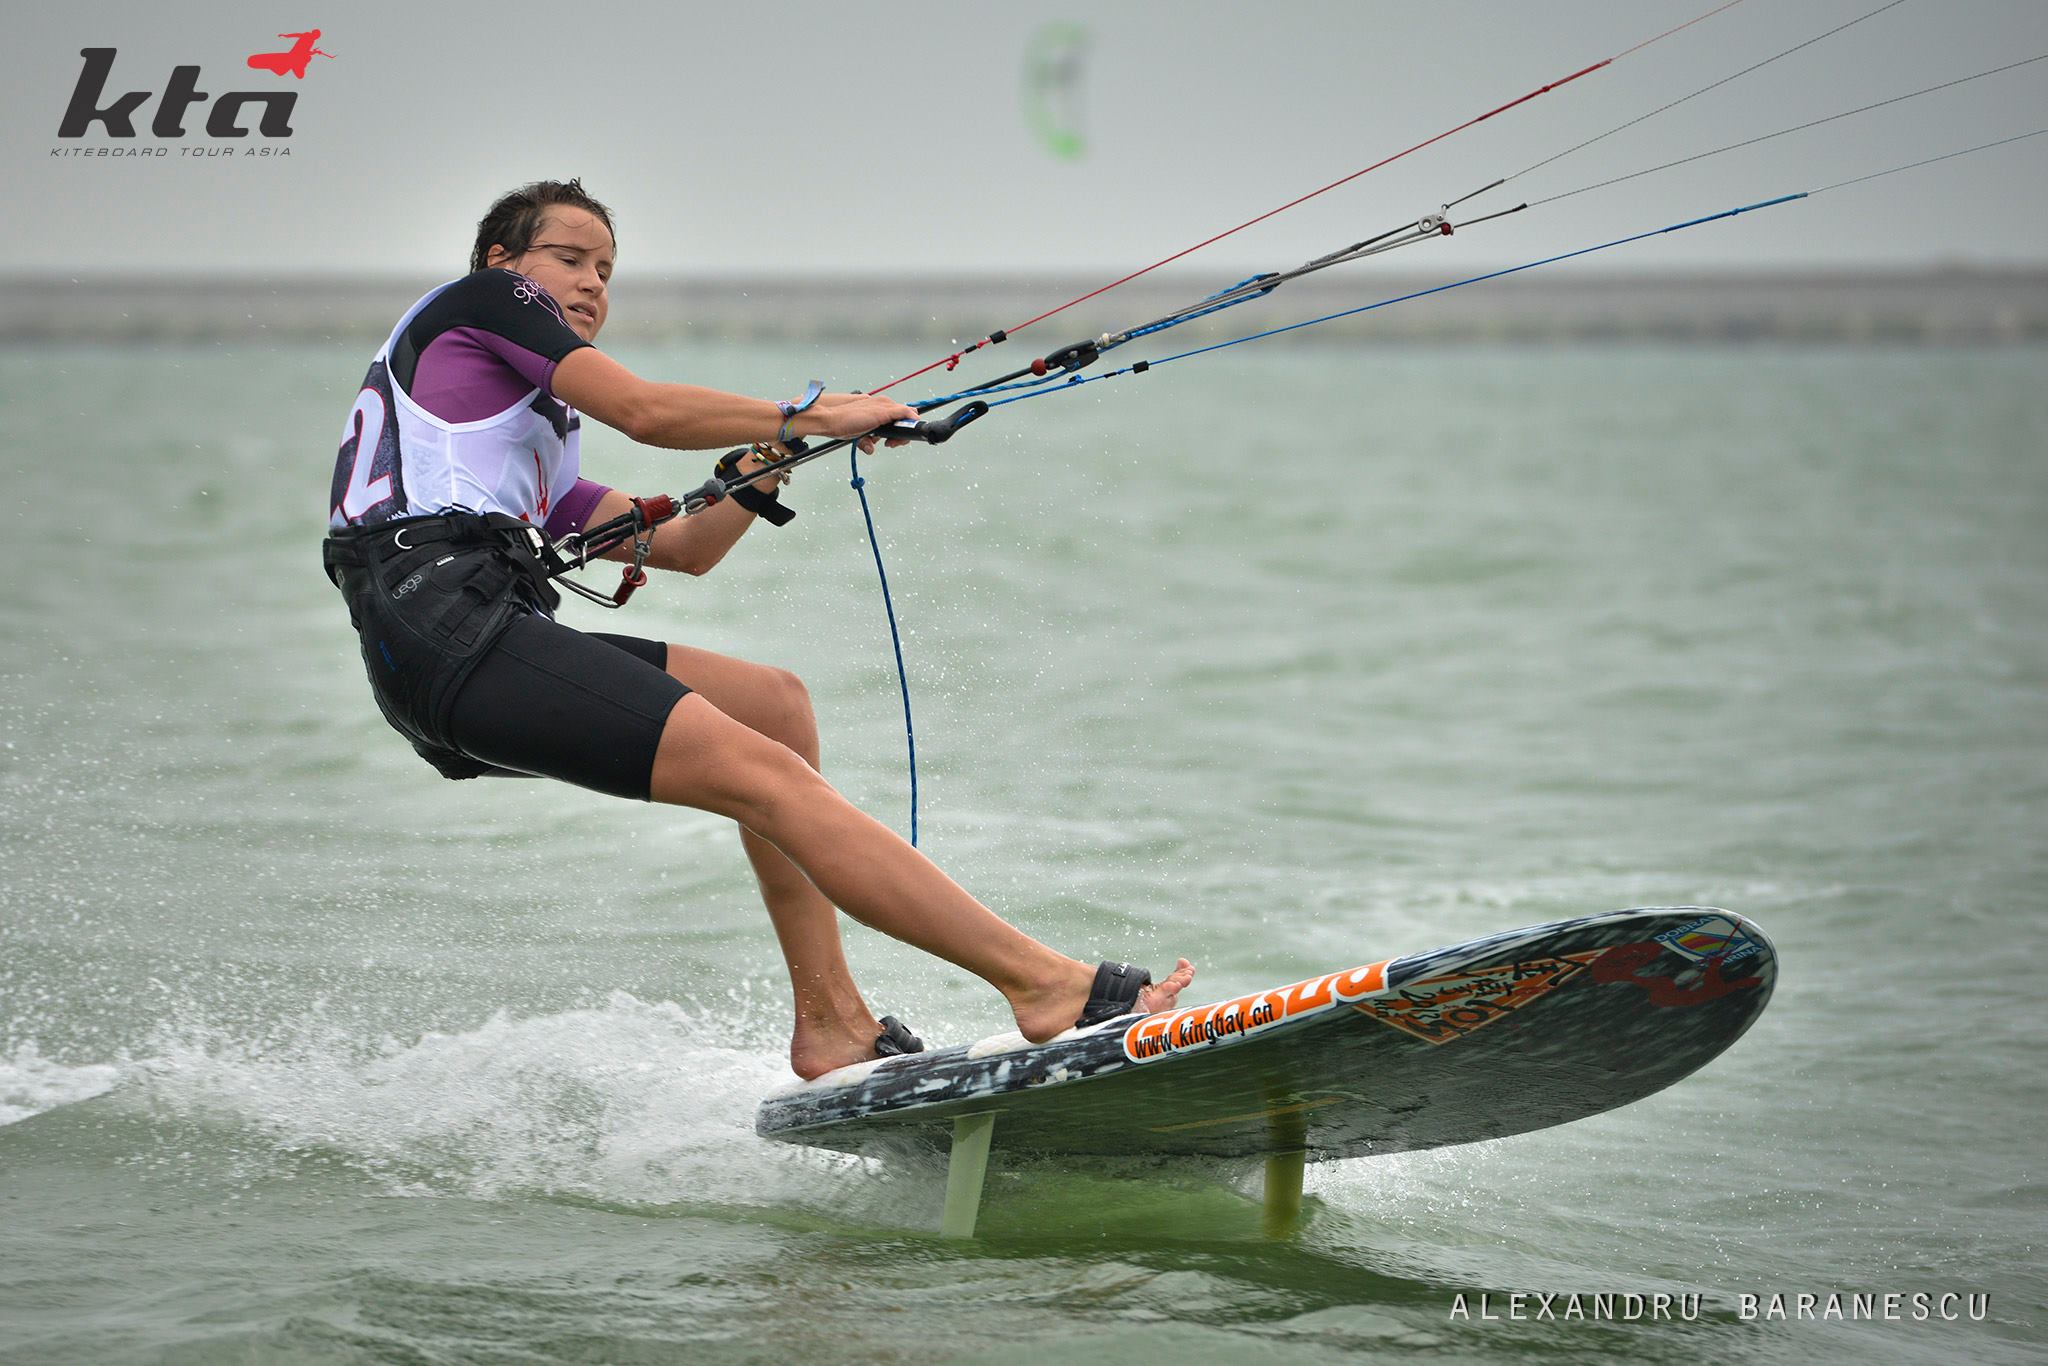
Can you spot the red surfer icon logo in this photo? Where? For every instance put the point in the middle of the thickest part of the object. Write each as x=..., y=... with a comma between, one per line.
x=295, y=59
x=1625, y=963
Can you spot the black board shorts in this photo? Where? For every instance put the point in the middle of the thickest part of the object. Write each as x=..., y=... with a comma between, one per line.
x=585, y=707
x=464, y=662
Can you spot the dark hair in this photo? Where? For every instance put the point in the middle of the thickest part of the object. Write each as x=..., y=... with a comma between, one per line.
x=515, y=219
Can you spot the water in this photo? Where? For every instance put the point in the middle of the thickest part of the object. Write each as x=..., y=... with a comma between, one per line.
x=1309, y=658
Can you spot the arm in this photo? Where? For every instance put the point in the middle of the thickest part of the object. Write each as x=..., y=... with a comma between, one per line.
x=690, y=417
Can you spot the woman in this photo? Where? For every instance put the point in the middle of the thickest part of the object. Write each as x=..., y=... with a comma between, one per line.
x=465, y=435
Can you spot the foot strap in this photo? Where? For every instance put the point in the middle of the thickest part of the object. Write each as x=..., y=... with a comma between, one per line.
x=1115, y=993
x=896, y=1039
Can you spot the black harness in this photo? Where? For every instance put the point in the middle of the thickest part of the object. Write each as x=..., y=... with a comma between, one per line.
x=428, y=597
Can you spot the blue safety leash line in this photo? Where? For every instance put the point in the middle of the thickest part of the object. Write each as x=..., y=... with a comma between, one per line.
x=860, y=486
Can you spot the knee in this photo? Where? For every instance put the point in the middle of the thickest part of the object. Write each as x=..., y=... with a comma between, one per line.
x=786, y=706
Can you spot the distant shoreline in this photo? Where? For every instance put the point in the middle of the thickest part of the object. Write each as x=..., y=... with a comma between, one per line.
x=1924, y=308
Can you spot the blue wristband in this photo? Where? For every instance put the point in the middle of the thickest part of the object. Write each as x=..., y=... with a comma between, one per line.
x=789, y=408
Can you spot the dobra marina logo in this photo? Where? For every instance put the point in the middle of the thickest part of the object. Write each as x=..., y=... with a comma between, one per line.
x=91, y=103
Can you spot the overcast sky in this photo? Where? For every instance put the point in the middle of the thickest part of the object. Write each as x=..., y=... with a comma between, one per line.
x=850, y=138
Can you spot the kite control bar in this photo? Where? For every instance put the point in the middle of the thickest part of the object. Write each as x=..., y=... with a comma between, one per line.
x=936, y=432
x=932, y=432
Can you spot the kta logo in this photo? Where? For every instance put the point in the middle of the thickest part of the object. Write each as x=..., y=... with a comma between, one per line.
x=89, y=104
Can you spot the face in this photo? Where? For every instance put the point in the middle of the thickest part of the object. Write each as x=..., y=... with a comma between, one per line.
x=571, y=257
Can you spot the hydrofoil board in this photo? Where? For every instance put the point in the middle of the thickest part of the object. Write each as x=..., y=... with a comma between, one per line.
x=1480, y=1040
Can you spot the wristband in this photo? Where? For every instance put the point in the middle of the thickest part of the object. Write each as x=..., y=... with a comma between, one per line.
x=790, y=407
x=764, y=505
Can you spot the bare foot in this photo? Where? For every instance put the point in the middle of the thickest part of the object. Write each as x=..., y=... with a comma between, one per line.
x=821, y=1046
x=1165, y=995
x=1054, y=1007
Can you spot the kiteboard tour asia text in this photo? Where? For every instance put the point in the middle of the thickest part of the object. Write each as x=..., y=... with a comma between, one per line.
x=1801, y=1307
x=166, y=151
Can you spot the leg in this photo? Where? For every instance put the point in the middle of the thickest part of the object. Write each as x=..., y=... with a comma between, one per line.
x=834, y=1026
x=559, y=703
x=710, y=761
x=590, y=708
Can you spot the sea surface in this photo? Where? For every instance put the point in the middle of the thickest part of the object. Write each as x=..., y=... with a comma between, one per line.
x=1285, y=662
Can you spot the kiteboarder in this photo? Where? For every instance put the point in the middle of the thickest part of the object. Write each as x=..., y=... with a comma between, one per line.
x=463, y=440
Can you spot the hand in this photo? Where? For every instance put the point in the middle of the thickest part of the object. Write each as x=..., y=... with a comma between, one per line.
x=836, y=415
x=765, y=453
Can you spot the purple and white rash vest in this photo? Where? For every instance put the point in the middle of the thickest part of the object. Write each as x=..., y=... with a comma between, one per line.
x=456, y=413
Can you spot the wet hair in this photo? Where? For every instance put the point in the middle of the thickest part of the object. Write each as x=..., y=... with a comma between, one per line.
x=514, y=221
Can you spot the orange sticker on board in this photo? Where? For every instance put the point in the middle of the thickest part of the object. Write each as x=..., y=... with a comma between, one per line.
x=1439, y=1009
x=1178, y=1031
